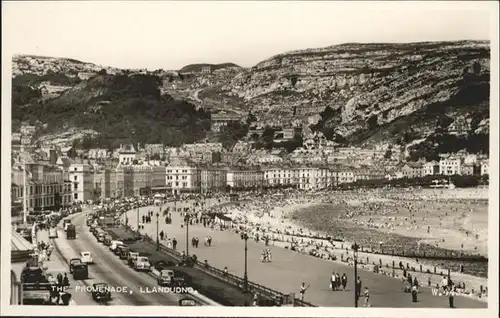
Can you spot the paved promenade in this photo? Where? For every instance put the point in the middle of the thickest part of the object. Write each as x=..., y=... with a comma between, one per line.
x=289, y=269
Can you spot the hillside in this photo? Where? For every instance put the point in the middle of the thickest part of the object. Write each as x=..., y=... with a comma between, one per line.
x=430, y=97
x=375, y=93
x=120, y=108
x=196, y=68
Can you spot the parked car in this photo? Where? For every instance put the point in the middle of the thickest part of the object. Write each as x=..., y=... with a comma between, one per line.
x=86, y=257
x=165, y=277
x=72, y=263
x=131, y=258
x=53, y=232
x=100, y=237
x=124, y=250
x=142, y=264
x=119, y=250
x=100, y=292
x=107, y=240
x=114, y=245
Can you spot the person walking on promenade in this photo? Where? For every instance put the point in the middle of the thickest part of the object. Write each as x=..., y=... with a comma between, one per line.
x=333, y=284
x=358, y=287
x=65, y=280
x=344, y=281
x=303, y=289
x=174, y=243
x=451, y=298
x=366, y=294
x=337, y=280
x=444, y=284
x=414, y=291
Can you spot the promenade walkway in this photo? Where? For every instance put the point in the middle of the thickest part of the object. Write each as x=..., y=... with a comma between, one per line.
x=289, y=269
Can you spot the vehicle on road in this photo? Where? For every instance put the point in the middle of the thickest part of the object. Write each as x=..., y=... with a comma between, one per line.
x=100, y=236
x=165, y=277
x=117, y=250
x=123, y=251
x=66, y=223
x=80, y=271
x=53, y=232
x=100, y=292
x=180, y=279
x=72, y=263
x=114, y=245
x=36, y=286
x=107, y=240
x=161, y=265
x=142, y=264
x=86, y=257
x=70, y=232
x=131, y=258
x=93, y=226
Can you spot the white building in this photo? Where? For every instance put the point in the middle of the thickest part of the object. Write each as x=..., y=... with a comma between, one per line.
x=182, y=177
x=302, y=177
x=485, y=167
x=98, y=153
x=431, y=168
x=450, y=166
x=269, y=158
x=126, y=154
x=345, y=176
x=82, y=180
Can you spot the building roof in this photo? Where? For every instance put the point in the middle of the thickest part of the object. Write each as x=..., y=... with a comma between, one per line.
x=127, y=149
x=25, y=157
x=413, y=165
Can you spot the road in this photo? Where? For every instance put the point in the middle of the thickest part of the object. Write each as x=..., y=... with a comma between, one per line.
x=110, y=269
x=289, y=269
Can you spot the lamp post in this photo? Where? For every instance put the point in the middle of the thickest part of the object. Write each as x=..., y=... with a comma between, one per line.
x=355, y=248
x=137, y=219
x=157, y=237
x=245, y=275
x=186, y=220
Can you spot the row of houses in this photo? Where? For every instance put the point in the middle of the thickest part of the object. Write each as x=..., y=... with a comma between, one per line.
x=63, y=181
x=446, y=166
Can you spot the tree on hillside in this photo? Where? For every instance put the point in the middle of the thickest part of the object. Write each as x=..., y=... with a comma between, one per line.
x=231, y=133
x=268, y=137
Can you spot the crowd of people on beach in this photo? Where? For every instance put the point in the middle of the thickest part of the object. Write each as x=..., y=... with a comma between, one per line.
x=269, y=218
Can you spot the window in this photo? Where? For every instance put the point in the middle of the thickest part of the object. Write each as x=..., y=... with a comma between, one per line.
x=76, y=196
x=76, y=178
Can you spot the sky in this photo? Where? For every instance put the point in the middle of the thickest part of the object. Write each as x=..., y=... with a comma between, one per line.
x=170, y=35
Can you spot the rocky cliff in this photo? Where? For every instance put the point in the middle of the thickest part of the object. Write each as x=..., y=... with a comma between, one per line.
x=367, y=86
x=413, y=94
